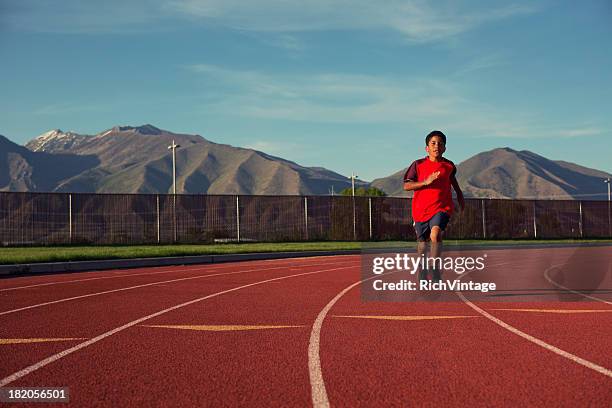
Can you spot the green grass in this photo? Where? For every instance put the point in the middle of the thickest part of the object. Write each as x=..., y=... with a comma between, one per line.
x=17, y=255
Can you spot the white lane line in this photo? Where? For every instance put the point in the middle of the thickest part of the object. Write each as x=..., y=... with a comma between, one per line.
x=533, y=339
x=549, y=279
x=317, y=383
x=22, y=373
x=139, y=286
x=316, y=257
x=209, y=267
x=537, y=341
x=98, y=278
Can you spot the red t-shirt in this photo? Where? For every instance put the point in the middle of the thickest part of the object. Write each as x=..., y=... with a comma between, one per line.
x=437, y=196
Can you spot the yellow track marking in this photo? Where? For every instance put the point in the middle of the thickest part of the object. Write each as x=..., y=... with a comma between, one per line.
x=408, y=317
x=23, y=341
x=219, y=327
x=563, y=311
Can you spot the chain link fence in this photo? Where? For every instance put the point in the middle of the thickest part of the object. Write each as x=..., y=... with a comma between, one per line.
x=59, y=218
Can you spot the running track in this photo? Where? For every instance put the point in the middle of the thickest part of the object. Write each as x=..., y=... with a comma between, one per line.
x=297, y=333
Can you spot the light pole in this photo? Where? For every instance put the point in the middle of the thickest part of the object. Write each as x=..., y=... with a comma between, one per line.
x=173, y=147
x=353, y=177
x=607, y=181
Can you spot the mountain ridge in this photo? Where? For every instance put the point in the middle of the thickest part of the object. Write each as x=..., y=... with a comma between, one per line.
x=508, y=173
x=135, y=159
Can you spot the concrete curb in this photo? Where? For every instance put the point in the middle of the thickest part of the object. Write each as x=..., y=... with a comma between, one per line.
x=7, y=271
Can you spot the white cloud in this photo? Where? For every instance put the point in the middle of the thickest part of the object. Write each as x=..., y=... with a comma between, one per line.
x=276, y=148
x=416, y=20
x=368, y=99
x=76, y=16
x=584, y=131
x=483, y=62
x=328, y=97
x=68, y=108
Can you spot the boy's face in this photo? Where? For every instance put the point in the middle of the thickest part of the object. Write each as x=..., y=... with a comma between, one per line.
x=435, y=148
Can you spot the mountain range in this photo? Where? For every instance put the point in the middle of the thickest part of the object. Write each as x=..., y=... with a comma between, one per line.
x=507, y=173
x=135, y=159
x=127, y=159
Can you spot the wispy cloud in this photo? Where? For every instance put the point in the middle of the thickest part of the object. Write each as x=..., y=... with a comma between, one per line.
x=368, y=99
x=282, y=149
x=416, y=20
x=483, y=62
x=68, y=108
x=82, y=17
x=580, y=132
x=328, y=97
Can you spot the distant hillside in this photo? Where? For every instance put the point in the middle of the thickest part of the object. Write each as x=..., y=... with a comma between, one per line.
x=507, y=173
x=24, y=170
x=127, y=159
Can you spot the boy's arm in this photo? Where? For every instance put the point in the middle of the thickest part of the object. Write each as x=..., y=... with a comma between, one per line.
x=410, y=185
x=411, y=178
x=455, y=185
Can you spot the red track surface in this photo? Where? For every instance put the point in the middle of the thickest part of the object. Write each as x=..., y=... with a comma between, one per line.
x=117, y=359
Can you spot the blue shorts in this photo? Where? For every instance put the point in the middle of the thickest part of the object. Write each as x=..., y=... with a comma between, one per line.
x=423, y=229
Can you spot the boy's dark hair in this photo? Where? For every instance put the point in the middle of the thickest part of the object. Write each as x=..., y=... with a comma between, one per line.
x=435, y=133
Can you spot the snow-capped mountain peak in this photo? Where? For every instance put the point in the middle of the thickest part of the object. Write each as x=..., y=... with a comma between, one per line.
x=55, y=138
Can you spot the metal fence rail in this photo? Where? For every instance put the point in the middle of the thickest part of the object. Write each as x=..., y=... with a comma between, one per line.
x=59, y=218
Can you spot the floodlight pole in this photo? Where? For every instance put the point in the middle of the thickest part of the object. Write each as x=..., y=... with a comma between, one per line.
x=353, y=177
x=607, y=181
x=173, y=147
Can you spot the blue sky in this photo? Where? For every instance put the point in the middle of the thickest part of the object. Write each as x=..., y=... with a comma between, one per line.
x=351, y=85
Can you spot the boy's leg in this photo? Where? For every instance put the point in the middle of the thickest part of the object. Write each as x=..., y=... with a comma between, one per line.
x=422, y=254
x=422, y=233
x=438, y=223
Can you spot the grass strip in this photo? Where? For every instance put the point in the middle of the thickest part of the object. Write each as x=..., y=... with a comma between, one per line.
x=19, y=255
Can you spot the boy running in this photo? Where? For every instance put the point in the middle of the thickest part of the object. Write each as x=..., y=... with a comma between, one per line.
x=431, y=179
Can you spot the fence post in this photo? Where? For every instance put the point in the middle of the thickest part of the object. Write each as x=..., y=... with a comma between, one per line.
x=70, y=218
x=484, y=220
x=354, y=221
x=306, y=216
x=535, y=224
x=158, y=221
x=238, y=218
x=370, y=214
x=174, y=217
x=609, y=219
x=580, y=220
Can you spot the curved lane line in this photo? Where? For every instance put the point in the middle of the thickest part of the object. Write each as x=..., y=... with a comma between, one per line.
x=537, y=341
x=140, y=286
x=533, y=339
x=98, y=278
x=22, y=373
x=209, y=267
x=317, y=383
x=549, y=279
